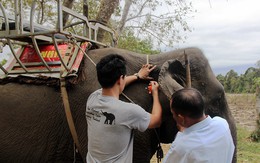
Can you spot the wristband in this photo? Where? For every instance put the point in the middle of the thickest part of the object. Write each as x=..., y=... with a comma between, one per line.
x=136, y=74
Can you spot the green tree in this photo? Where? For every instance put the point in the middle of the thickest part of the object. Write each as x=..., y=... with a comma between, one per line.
x=249, y=76
x=249, y=82
x=255, y=136
x=130, y=42
x=257, y=85
x=3, y=62
x=221, y=79
x=162, y=20
x=230, y=81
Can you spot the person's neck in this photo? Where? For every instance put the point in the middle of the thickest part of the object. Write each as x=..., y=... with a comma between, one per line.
x=194, y=121
x=110, y=92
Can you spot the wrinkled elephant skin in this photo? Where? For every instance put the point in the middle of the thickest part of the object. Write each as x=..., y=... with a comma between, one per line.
x=33, y=123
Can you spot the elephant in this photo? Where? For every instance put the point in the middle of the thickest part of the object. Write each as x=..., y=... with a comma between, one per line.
x=110, y=118
x=33, y=123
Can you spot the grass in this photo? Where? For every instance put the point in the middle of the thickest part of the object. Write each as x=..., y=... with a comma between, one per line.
x=247, y=151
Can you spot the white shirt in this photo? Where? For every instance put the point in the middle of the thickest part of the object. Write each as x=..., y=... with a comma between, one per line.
x=208, y=141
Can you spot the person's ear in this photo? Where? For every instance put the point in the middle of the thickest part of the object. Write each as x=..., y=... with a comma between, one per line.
x=119, y=80
x=180, y=116
x=182, y=119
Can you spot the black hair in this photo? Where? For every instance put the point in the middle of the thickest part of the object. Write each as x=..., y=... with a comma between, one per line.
x=188, y=102
x=109, y=69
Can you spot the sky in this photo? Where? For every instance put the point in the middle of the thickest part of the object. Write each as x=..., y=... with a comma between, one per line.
x=228, y=32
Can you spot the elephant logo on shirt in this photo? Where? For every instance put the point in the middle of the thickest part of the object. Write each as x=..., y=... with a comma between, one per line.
x=110, y=118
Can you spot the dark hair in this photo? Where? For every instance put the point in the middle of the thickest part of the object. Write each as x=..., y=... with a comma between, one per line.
x=109, y=69
x=188, y=102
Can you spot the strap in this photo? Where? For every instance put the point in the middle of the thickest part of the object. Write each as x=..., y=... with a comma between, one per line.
x=159, y=150
x=69, y=117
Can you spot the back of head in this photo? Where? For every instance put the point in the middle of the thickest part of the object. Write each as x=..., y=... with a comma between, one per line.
x=188, y=102
x=109, y=69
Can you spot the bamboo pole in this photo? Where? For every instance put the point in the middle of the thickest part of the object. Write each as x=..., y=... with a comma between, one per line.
x=188, y=77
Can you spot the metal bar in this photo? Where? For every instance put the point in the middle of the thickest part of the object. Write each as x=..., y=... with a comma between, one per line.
x=85, y=13
x=16, y=15
x=55, y=70
x=39, y=53
x=75, y=14
x=28, y=34
x=3, y=69
x=17, y=59
x=60, y=17
x=58, y=52
x=33, y=37
x=89, y=32
x=80, y=38
x=21, y=17
x=99, y=25
x=95, y=34
x=31, y=16
x=14, y=61
x=5, y=18
x=39, y=64
x=73, y=57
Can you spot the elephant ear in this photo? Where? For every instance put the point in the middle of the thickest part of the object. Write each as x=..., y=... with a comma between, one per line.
x=171, y=77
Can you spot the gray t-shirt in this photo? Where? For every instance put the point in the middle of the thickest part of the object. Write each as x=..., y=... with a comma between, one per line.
x=110, y=123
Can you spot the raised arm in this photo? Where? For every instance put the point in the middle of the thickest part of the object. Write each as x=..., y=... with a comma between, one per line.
x=156, y=115
x=143, y=74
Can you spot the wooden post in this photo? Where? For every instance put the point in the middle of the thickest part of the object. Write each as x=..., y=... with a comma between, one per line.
x=188, y=77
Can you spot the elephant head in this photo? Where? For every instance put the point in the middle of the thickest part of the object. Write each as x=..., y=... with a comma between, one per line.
x=172, y=77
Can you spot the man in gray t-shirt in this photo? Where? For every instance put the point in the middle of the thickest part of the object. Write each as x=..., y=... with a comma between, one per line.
x=110, y=120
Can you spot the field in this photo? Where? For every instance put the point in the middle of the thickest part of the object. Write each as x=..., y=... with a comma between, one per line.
x=243, y=109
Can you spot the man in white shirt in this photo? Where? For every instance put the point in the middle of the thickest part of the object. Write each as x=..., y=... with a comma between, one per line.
x=201, y=138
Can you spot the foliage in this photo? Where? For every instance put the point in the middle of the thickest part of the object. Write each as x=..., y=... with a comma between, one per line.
x=164, y=20
x=3, y=62
x=130, y=42
x=247, y=151
x=244, y=83
x=255, y=136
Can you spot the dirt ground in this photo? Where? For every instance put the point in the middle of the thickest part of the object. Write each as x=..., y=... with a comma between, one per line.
x=243, y=108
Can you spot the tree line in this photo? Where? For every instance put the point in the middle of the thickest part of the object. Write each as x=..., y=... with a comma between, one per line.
x=249, y=82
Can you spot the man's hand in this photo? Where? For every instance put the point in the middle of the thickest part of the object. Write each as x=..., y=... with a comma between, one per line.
x=156, y=115
x=145, y=71
x=155, y=87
